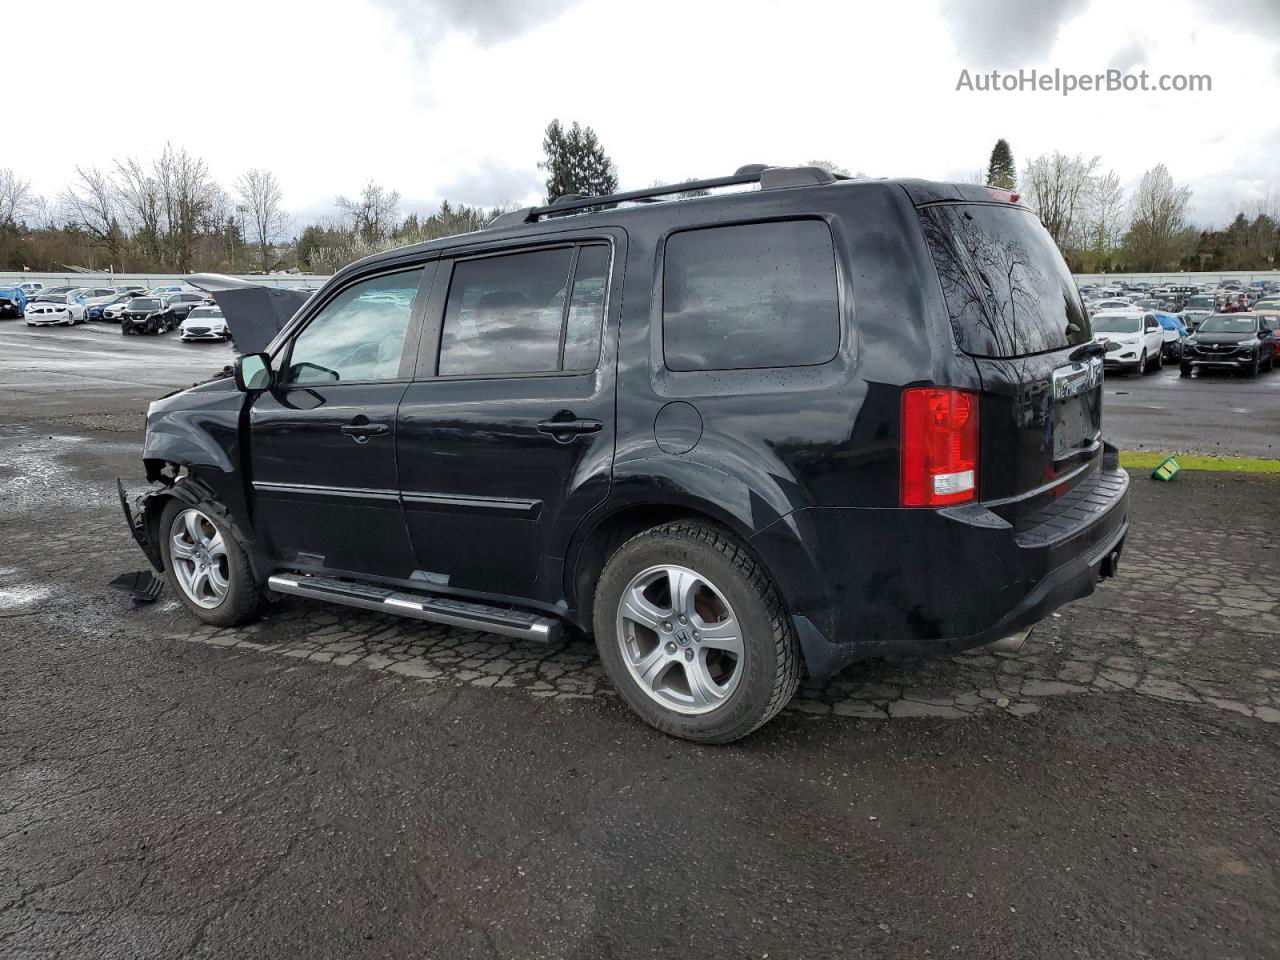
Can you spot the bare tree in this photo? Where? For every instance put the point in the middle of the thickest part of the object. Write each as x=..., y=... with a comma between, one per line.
x=372, y=216
x=186, y=194
x=1056, y=186
x=1159, y=236
x=260, y=195
x=90, y=205
x=15, y=196
x=1102, y=225
x=138, y=194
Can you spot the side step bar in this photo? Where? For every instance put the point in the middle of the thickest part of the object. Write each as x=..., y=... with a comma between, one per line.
x=446, y=610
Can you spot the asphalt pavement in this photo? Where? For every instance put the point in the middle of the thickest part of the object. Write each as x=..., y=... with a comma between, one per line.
x=335, y=783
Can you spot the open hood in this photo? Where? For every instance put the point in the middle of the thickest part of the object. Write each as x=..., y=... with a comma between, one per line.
x=254, y=312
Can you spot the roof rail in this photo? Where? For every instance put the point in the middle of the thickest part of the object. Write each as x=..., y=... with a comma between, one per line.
x=769, y=178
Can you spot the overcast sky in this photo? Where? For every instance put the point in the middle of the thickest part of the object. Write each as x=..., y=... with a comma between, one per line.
x=448, y=98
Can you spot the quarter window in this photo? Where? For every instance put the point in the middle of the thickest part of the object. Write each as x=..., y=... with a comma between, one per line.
x=359, y=335
x=539, y=311
x=750, y=296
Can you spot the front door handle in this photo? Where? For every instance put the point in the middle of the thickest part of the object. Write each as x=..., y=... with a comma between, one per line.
x=565, y=427
x=360, y=429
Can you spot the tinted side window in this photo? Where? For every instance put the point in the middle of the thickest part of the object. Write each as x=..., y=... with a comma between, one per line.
x=750, y=296
x=359, y=335
x=524, y=313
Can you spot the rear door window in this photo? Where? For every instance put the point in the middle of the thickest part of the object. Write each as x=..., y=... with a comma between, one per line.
x=750, y=296
x=538, y=311
x=1007, y=289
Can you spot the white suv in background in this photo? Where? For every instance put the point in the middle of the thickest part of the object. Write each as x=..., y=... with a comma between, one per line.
x=1134, y=339
x=204, y=323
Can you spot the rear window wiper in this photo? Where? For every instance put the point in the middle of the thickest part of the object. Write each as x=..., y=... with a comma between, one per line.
x=1093, y=348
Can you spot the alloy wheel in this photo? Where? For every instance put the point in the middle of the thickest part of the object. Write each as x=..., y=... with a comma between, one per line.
x=680, y=639
x=199, y=558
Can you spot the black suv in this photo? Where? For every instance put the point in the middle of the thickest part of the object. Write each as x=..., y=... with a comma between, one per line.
x=147, y=315
x=738, y=437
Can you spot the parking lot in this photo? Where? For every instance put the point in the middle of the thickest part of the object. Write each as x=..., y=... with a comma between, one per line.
x=332, y=783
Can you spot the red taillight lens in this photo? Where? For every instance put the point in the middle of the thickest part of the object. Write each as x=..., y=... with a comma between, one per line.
x=939, y=446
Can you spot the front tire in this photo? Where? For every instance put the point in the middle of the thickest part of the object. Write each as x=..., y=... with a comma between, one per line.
x=1184, y=369
x=693, y=633
x=206, y=566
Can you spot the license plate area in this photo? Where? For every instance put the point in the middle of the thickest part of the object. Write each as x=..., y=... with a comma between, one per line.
x=1077, y=389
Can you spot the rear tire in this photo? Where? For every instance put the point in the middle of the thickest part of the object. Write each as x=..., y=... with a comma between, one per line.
x=227, y=594
x=720, y=673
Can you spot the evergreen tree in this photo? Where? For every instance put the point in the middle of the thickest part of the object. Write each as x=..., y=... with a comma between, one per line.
x=576, y=162
x=1001, y=171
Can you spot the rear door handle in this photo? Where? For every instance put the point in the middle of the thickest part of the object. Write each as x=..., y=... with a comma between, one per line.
x=567, y=429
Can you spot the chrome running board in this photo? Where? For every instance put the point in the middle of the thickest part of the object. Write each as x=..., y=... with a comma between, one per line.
x=446, y=610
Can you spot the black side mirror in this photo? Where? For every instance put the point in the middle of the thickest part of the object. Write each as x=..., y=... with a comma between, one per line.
x=253, y=372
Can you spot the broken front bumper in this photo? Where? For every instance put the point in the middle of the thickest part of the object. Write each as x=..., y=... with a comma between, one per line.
x=136, y=518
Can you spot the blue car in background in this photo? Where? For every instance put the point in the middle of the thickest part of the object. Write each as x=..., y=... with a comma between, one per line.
x=1174, y=332
x=95, y=310
x=13, y=303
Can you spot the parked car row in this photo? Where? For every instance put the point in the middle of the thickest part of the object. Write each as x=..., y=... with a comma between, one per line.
x=137, y=309
x=1137, y=341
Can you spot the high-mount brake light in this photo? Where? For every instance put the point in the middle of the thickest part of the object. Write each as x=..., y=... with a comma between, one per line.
x=1005, y=196
x=939, y=446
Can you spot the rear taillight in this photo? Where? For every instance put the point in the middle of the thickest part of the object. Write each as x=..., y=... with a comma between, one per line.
x=939, y=446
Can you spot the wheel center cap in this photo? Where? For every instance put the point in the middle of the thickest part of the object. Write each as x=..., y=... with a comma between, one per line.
x=682, y=637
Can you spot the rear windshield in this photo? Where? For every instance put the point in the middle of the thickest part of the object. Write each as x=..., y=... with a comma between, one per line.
x=1007, y=288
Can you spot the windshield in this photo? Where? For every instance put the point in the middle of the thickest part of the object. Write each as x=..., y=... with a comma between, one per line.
x=1229, y=324
x=144, y=304
x=1117, y=324
x=1205, y=303
x=206, y=312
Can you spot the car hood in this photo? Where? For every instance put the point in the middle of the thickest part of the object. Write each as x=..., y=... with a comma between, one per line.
x=191, y=321
x=1223, y=337
x=253, y=312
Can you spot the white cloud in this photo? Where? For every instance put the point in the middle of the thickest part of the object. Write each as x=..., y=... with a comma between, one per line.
x=449, y=99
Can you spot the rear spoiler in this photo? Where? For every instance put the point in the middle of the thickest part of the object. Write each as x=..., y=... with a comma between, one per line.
x=254, y=312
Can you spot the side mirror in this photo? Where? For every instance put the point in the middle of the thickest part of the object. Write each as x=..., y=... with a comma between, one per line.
x=253, y=372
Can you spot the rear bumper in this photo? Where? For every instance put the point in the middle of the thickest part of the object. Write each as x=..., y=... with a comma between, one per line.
x=898, y=581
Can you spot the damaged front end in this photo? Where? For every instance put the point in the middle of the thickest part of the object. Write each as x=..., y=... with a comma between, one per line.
x=193, y=453
x=144, y=517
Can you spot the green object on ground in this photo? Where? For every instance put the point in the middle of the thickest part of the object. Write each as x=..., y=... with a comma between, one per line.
x=1149, y=461
x=1167, y=470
